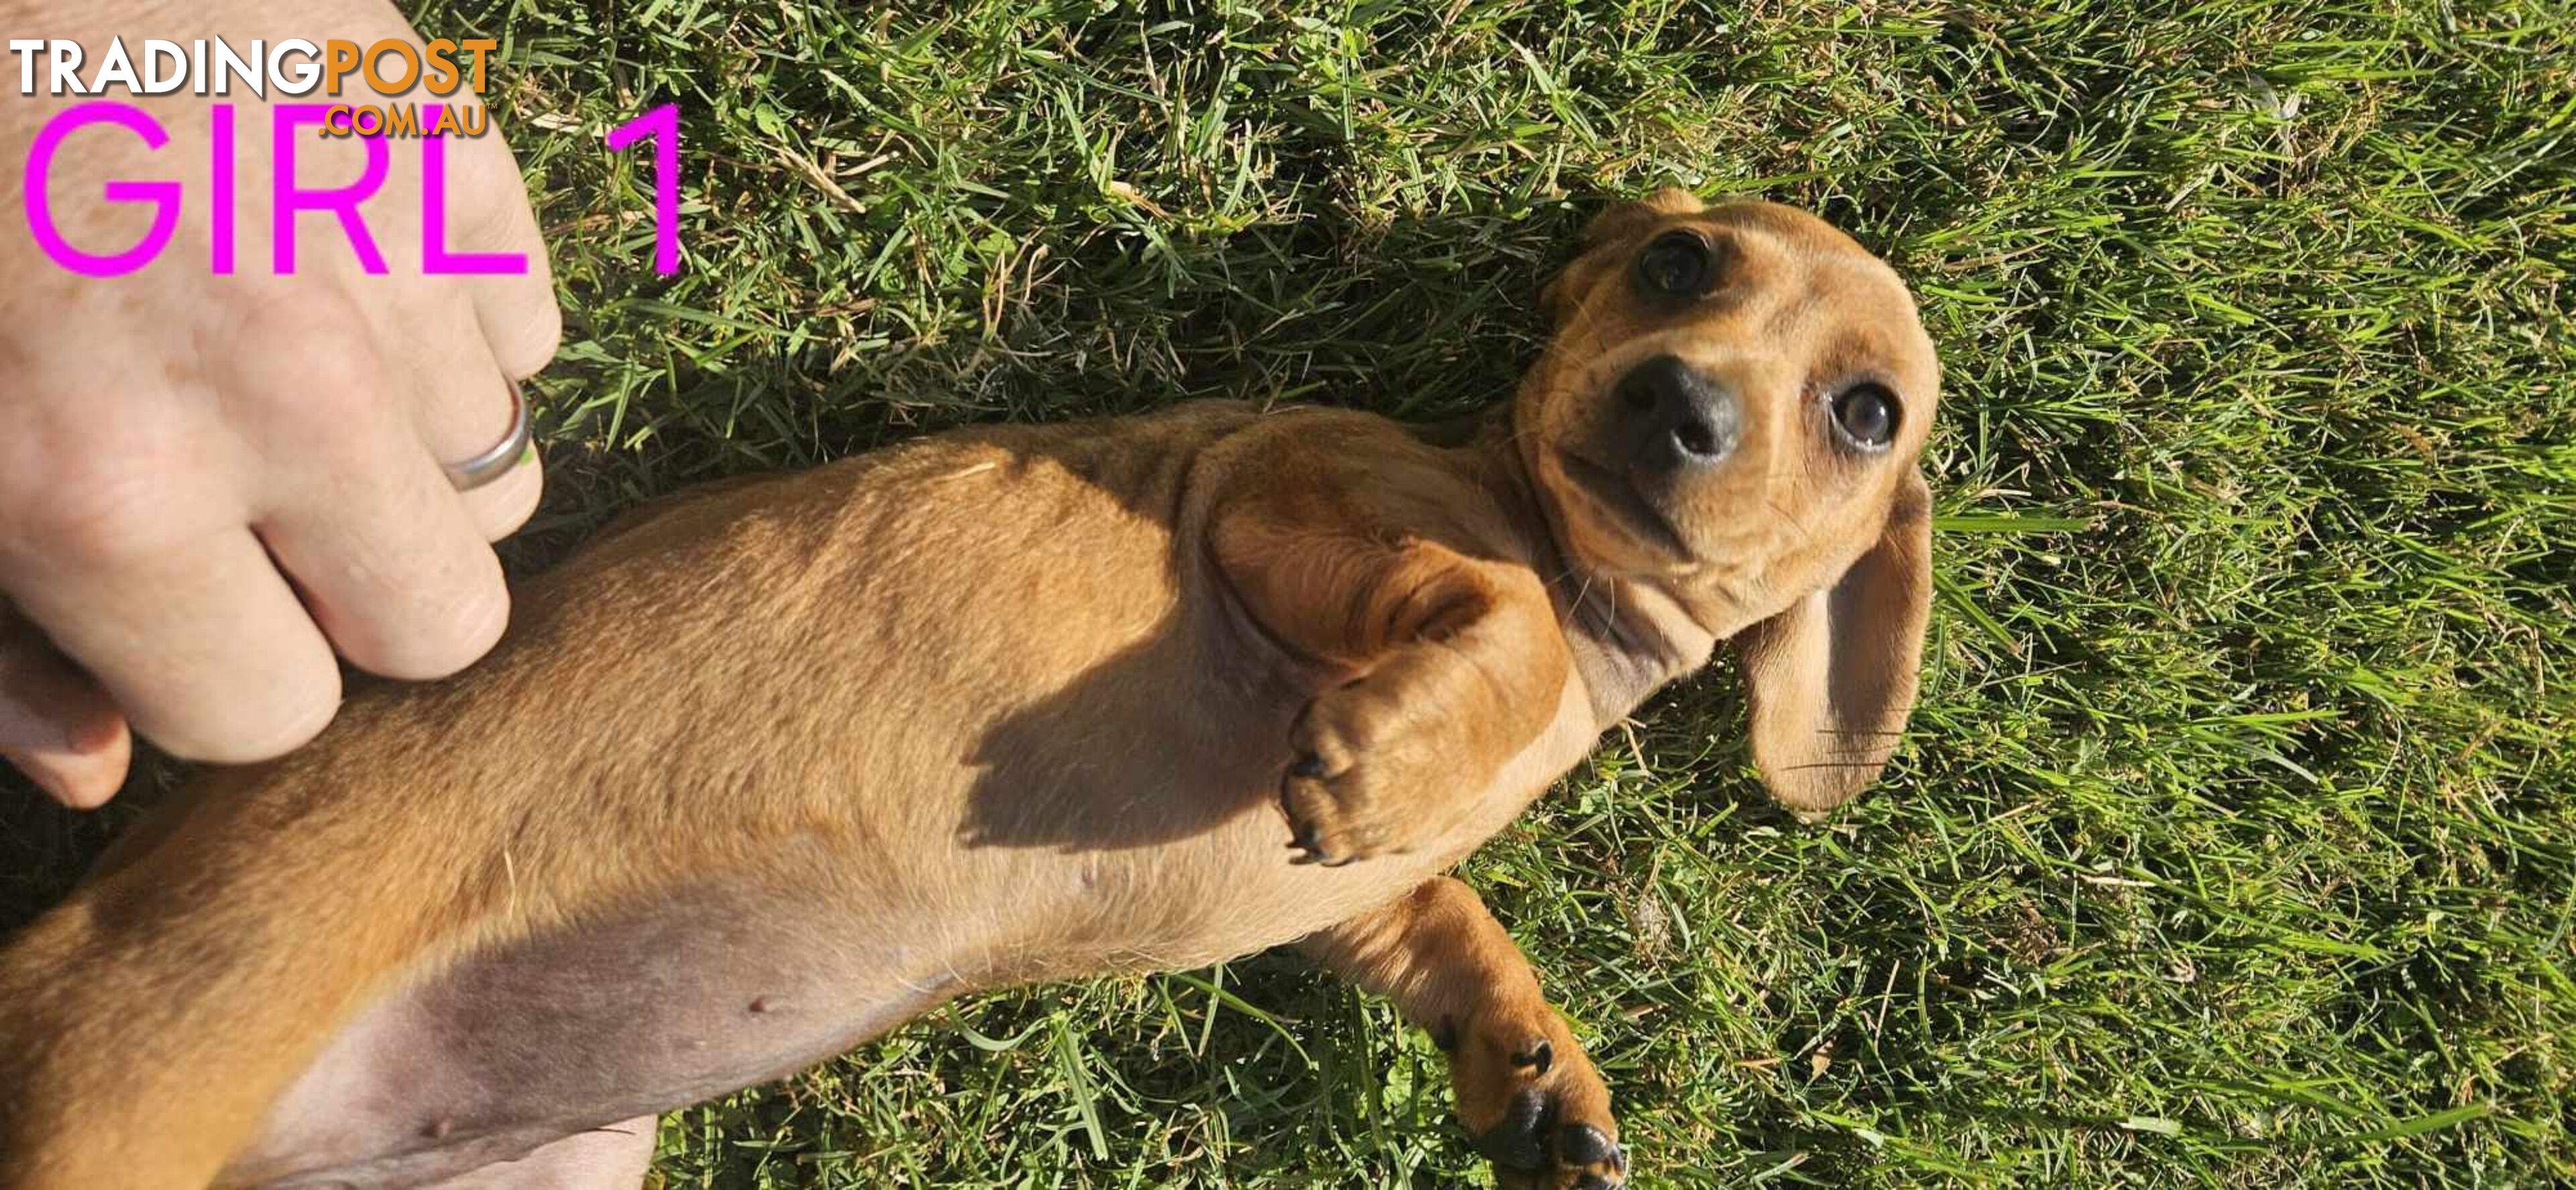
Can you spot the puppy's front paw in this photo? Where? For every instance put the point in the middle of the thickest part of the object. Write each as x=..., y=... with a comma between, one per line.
x=1536, y=1107
x=1362, y=780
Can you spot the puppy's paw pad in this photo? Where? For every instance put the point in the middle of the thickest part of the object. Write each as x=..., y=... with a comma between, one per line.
x=1532, y=1150
x=1554, y=1130
x=1583, y=1144
x=1519, y=1141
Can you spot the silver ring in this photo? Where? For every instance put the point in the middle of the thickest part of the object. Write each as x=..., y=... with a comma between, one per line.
x=512, y=450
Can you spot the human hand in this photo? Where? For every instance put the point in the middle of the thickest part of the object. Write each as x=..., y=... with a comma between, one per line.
x=208, y=484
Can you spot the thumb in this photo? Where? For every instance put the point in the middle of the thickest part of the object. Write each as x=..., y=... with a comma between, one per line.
x=56, y=725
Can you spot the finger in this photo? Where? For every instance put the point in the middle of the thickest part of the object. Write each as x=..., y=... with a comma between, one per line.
x=127, y=545
x=463, y=406
x=500, y=507
x=56, y=725
x=80, y=780
x=201, y=642
x=516, y=311
x=392, y=565
x=352, y=504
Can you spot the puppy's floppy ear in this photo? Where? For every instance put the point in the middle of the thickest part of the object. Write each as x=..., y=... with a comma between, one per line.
x=1612, y=226
x=1832, y=678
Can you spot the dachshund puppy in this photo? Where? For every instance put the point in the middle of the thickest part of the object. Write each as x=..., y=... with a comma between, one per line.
x=780, y=765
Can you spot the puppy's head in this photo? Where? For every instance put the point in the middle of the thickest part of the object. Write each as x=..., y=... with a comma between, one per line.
x=1730, y=412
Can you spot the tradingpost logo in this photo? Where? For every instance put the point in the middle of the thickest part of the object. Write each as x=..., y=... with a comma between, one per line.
x=392, y=68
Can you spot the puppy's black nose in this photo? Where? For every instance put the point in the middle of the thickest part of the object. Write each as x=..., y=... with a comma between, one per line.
x=1675, y=415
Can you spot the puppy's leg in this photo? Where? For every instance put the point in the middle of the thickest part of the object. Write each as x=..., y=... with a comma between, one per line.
x=1526, y=1091
x=1439, y=667
x=147, y=1023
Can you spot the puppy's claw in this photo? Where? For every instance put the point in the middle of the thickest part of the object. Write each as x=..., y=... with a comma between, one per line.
x=1308, y=855
x=1302, y=839
x=1361, y=779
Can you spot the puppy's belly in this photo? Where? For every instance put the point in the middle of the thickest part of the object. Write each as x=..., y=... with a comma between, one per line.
x=654, y=1009
x=720, y=987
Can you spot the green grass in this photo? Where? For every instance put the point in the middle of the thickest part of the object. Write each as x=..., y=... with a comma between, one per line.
x=2235, y=841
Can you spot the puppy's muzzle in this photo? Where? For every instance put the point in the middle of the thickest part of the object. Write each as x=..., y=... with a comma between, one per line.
x=1673, y=418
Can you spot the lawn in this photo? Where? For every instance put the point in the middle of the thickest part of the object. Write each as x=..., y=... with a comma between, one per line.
x=2235, y=839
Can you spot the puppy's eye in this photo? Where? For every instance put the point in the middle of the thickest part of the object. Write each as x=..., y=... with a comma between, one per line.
x=1866, y=413
x=1676, y=264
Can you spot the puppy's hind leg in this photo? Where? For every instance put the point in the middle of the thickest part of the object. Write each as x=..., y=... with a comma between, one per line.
x=147, y=1023
x=1526, y=1090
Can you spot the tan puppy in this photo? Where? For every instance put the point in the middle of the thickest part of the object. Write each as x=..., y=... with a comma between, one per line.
x=784, y=763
